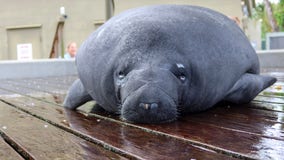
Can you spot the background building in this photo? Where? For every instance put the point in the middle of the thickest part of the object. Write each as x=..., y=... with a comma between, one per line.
x=40, y=28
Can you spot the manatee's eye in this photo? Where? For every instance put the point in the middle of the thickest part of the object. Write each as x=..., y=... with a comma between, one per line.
x=179, y=65
x=180, y=72
x=182, y=77
x=121, y=75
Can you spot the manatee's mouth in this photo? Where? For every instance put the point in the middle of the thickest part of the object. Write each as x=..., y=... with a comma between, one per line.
x=152, y=122
x=155, y=106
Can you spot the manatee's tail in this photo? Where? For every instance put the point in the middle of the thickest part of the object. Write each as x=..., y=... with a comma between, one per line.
x=77, y=95
x=248, y=87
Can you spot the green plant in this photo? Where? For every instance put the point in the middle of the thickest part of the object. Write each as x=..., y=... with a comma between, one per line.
x=278, y=13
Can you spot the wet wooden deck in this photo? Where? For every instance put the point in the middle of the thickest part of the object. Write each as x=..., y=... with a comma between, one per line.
x=34, y=125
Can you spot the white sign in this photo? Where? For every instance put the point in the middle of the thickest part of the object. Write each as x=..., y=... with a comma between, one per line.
x=25, y=51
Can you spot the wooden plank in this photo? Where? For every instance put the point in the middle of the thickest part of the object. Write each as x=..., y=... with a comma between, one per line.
x=243, y=118
x=34, y=86
x=61, y=80
x=56, y=96
x=248, y=118
x=50, y=82
x=269, y=99
x=131, y=140
x=7, y=153
x=274, y=107
x=50, y=88
x=7, y=86
x=242, y=121
x=272, y=98
x=44, y=141
x=210, y=128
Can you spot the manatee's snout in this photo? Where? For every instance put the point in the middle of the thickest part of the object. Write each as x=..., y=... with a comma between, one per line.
x=149, y=104
x=150, y=96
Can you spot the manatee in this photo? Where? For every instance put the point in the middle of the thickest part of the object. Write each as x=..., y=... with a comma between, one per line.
x=155, y=63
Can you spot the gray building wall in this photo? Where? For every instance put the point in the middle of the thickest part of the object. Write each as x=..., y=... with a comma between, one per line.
x=227, y=7
x=44, y=16
x=35, y=21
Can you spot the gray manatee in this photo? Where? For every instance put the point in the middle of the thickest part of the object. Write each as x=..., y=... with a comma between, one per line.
x=154, y=63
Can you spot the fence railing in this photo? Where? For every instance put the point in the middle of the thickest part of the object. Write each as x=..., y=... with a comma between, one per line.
x=62, y=67
x=37, y=68
x=271, y=58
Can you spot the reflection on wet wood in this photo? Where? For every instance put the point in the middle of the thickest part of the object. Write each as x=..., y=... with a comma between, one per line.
x=129, y=139
x=251, y=131
x=247, y=133
x=44, y=141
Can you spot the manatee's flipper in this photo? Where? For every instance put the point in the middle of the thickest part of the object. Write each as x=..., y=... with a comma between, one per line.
x=248, y=87
x=97, y=108
x=77, y=95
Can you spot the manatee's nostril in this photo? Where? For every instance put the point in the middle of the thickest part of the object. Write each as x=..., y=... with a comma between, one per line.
x=154, y=105
x=141, y=105
x=148, y=105
x=145, y=105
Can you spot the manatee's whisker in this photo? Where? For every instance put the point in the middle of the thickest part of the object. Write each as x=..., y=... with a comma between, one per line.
x=119, y=107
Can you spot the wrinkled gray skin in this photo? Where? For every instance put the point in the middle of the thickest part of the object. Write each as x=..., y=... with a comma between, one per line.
x=150, y=64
